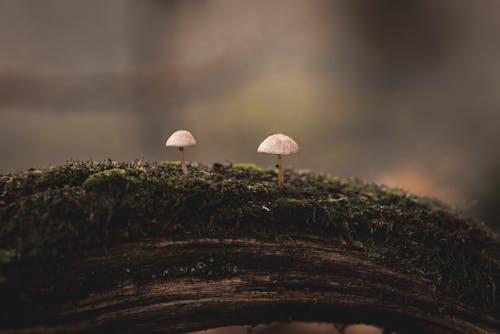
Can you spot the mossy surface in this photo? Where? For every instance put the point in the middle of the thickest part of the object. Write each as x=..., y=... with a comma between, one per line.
x=49, y=214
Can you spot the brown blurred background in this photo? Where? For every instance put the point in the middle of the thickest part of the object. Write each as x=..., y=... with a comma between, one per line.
x=400, y=92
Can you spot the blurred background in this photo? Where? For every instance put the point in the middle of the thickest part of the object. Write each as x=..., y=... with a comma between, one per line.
x=404, y=93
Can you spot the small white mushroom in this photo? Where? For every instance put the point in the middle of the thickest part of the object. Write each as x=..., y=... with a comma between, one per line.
x=181, y=139
x=280, y=145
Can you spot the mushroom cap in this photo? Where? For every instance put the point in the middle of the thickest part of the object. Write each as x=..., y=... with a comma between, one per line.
x=278, y=144
x=181, y=138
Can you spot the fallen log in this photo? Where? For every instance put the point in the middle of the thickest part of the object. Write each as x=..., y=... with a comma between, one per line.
x=137, y=247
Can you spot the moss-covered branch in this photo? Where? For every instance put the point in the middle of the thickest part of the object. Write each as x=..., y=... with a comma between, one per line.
x=52, y=219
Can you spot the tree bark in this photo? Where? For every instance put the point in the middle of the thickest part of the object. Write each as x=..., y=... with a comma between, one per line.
x=183, y=285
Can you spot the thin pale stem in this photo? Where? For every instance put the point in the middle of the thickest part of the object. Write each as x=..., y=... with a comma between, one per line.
x=183, y=162
x=281, y=176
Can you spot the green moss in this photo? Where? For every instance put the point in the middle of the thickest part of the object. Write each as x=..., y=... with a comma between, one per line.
x=6, y=256
x=114, y=179
x=294, y=211
x=64, y=210
x=171, y=163
x=251, y=168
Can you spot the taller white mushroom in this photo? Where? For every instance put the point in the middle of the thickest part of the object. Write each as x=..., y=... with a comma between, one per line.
x=181, y=139
x=280, y=145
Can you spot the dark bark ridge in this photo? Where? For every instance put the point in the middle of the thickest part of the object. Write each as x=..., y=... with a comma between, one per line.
x=137, y=246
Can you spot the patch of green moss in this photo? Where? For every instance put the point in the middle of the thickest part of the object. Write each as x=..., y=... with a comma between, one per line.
x=251, y=168
x=6, y=256
x=294, y=211
x=64, y=210
x=114, y=179
x=171, y=163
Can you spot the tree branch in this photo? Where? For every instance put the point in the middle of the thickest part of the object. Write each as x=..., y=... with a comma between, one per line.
x=139, y=247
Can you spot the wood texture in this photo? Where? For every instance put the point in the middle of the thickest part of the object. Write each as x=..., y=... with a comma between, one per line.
x=197, y=283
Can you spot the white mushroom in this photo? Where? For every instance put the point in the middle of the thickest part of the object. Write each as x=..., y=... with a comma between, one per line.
x=280, y=145
x=181, y=139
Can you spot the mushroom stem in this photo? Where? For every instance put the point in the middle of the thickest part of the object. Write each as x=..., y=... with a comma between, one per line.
x=183, y=162
x=281, y=177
